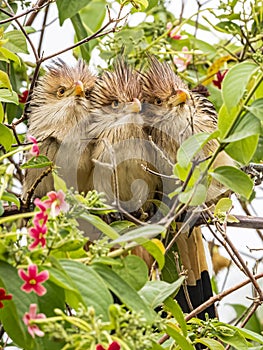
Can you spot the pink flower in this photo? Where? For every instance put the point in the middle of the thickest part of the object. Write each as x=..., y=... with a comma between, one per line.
x=4, y=296
x=29, y=317
x=33, y=280
x=220, y=78
x=56, y=202
x=23, y=96
x=113, y=346
x=35, y=149
x=41, y=205
x=37, y=233
x=174, y=32
x=183, y=60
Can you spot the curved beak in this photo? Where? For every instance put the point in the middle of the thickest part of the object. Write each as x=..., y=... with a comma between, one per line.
x=79, y=89
x=180, y=96
x=134, y=106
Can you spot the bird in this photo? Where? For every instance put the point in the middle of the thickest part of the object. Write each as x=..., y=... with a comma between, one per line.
x=59, y=106
x=118, y=144
x=172, y=113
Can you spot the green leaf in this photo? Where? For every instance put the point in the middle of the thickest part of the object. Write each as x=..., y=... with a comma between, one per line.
x=93, y=15
x=4, y=81
x=10, y=197
x=235, y=83
x=40, y=161
x=10, y=55
x=100, y=225
x=234, y=179
x=246, y=126
x=236, y=340
x=223, y=206
x=2, y=113
x=173, y=306
x=90, y=285
x=16, y=41
x=191, y=147
x=243, y=150
x=196, y=195
x=59, y=183
x=156, y=292
x=81, y=33
x=256, y=108
x=7, y=137
x=2, y=210
x=140, y=234
x=140, y=4
x=179, y=338
x=228, y=27
x=124, y=291
x=156, y=249
x=8, y=96
x=253, y=324
x=133, y=270
x=248, y=334
x=210, y=343
x=68, y=8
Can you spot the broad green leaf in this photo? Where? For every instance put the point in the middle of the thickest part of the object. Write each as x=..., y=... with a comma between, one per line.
x=226, y=120
x=10, y=197
x=196, y=195
x=234, y=179
x=7, y=137
x=4, y=81
x=68, y=8
x=40, y=161
x=173, y=307
x=90, y=285
x=93, y=15
x=100, y=225
x=179, y=338
x=81, y=33
x=124, y=291
x=59, y=183
x=248, y=334
x=191, y=147
x=246, y=126
x=228, y=27
x=210, y=343
x=235, y=83
x=156, y=292
x=256, y=108
x=243, y=150
x=223, y=206
x=10, y=55
x=16, y=41
x=236, y=340
x=258, y=155
x=133, y=270
x=253, y=324
x=151, y=4
x=8, y=96
x=140, y=234
x=156, y=248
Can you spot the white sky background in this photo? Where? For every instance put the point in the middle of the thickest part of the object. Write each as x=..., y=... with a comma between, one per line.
x=57, y=38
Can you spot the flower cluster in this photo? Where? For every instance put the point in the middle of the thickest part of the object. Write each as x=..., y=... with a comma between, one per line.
x=29, y=318
x=219, y=79
x=182, y=60
x=56, y=203
x=174, y=32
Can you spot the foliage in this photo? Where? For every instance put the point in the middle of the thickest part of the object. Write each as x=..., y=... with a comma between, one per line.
x=103, y=294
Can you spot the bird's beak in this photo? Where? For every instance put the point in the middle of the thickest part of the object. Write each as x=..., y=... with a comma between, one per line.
x=79, y=89
x=134, y=106
x=180, y=96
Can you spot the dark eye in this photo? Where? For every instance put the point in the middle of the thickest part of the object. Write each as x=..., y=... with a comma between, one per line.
x=115, y=104
x=61, y=91
x=87, y=93
x=158, y=101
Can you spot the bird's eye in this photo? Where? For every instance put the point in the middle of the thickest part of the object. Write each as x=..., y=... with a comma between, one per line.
x=115, y=104
x=61, y=91
x=87, y=93
x=158, y=101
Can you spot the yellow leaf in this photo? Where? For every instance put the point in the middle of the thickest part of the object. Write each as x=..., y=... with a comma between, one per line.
x=214, y=68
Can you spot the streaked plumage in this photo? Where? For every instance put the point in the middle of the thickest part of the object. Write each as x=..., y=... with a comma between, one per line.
x=118, y=141
x=172, y=113
x=59, y=106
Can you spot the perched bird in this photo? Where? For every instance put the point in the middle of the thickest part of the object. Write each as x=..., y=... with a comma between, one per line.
x=172, y=113
x=117, y=141
x=59, y=105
